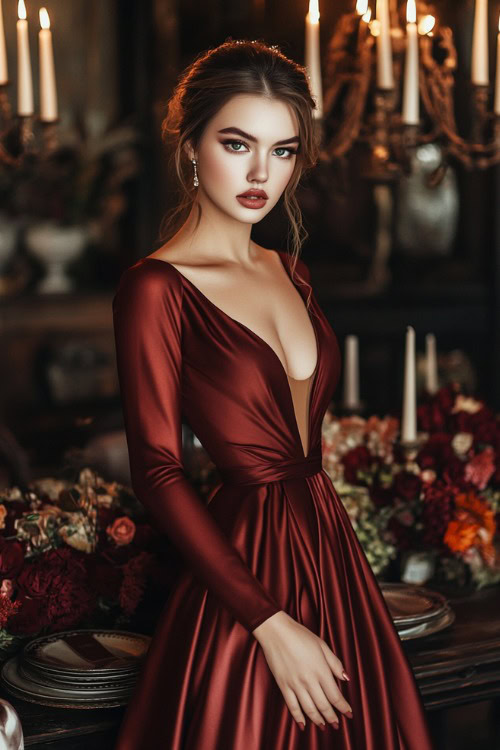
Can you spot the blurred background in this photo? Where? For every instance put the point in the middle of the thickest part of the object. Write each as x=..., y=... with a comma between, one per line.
x=385, y=249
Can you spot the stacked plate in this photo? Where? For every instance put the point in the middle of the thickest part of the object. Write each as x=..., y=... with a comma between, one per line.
x=77, y=668
x=415, y=610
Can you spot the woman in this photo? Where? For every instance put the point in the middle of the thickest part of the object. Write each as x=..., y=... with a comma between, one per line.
x=277, y=601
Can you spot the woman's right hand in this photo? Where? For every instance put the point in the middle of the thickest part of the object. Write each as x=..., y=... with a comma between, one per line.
x=304, y=667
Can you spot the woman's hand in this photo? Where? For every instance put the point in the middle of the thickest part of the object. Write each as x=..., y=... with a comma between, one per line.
x=304, y=667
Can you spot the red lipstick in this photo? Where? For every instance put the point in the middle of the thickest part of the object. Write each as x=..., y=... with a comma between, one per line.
x=253, y=198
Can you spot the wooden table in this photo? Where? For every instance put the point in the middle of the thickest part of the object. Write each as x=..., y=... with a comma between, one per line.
x=456, y=666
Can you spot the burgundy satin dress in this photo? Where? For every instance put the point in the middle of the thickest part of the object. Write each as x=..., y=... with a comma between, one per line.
x=273, y=536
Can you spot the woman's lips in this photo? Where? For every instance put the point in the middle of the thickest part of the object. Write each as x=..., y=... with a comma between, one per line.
x=251, y=202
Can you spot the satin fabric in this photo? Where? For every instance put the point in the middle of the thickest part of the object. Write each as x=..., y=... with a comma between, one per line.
x=273, y=536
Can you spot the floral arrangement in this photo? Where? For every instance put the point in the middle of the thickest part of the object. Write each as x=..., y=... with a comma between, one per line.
x=443, y=498
x=74, y=554
x=76, y=182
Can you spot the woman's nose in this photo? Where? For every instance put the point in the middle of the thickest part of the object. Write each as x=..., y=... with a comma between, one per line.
x=259, y=169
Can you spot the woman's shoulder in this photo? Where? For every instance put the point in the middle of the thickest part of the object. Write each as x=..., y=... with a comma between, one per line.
x=148, y=280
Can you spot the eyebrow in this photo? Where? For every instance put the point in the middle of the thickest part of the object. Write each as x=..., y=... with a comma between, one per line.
x=294, y=139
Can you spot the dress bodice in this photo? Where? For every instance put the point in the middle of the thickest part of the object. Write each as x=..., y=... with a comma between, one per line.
x=181, y=358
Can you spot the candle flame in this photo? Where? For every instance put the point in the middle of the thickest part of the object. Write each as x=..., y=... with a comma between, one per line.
x=411, y=11
x=375, y=27
x=44, y=19
x=368, y=15
x=426, y=24
x=21, y=10
x=314, y=11
x=361, y=7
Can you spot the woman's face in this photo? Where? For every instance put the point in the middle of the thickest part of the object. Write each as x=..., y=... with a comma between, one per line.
x=261, y=155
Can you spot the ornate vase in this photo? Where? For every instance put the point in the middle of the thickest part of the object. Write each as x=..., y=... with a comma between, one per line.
x=55, y=245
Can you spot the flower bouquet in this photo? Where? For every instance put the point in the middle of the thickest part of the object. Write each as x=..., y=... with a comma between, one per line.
x=75, y=554
x=444, y=501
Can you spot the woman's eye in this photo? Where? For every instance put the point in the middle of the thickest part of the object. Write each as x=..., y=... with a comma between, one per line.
x=290, y=151
x=233, y=143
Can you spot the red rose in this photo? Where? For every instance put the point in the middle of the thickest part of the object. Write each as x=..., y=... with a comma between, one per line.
x=11, y=558
x=35, y=580
x=122, y=530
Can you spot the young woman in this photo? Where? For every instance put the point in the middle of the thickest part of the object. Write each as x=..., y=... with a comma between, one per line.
x=277, y=601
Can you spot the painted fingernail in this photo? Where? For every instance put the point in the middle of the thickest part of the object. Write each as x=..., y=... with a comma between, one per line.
x=349, y=714
x=335, y=724
x=322, y=727
x=301, y=725
x=345, y=676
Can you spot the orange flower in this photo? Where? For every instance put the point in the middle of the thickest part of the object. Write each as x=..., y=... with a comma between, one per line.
x=472, y=526
x=122, y=530
x=3, y=513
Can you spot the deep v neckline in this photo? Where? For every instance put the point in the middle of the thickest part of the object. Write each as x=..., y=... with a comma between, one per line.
x=312, y=378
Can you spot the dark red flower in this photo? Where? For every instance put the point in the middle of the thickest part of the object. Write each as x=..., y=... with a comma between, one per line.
x=407, y=485
x=437, y=452
x=35, y=579
x=357, y=459
x=68, y=604
x=11, y=558
x=31, y=617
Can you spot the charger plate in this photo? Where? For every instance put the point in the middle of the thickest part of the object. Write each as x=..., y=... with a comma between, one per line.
x=21, y=687
x=412, y=605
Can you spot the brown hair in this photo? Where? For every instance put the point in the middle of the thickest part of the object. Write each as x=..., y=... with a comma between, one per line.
x=237, y=67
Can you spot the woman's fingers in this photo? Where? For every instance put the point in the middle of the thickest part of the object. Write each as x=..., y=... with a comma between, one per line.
x=293, y=704
x=308, y=705
x=324, y=708
x=333, y=661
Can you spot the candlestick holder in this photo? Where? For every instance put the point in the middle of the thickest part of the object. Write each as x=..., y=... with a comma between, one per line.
x=357, y=111
x=410, y=448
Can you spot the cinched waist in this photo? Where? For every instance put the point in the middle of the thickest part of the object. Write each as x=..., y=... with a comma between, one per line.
x=294, y=468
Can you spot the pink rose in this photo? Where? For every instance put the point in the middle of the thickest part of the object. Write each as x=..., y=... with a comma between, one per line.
x=122, y=530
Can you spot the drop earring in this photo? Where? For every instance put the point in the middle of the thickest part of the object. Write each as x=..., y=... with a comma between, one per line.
x=196, y=182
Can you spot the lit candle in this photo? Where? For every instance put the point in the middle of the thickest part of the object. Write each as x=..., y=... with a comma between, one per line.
x=24, y=80
x=351, y=373
x=4, y=73
x=409, y=417
x=431, y=371
x=496, y=106
x=48, y=92
x=313, y=56
x=480, y=44
x=385, y=77
x=410, y=91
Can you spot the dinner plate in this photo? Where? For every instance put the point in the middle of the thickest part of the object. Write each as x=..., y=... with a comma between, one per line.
x=410, y=604
x=23, y=687
x=89, y=651
x=428, y=627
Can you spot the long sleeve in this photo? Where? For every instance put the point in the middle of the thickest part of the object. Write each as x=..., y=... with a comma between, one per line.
x=147, y=322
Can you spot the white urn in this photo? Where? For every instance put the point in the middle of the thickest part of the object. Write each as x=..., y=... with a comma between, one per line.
x=55, y=245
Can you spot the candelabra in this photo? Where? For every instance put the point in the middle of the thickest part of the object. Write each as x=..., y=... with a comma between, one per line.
x=17, y=135
x=357, y=110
